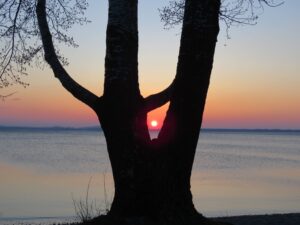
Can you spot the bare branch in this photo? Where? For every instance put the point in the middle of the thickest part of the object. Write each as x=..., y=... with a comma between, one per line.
x=232, y=12
x=51, y=57
x=12, y=49
x=159, y=99
x=21, y=46
x=272, y=3
x=3, y=97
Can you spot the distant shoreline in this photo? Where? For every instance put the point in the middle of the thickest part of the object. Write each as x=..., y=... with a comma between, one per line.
x=98, y=128
x=55, y=128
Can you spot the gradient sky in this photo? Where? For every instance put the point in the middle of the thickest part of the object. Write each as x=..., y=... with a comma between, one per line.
x=255, y=81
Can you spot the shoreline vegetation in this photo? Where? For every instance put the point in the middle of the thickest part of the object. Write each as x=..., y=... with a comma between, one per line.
x=266, y=219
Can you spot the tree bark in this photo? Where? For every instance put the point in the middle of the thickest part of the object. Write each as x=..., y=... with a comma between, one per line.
x=180, y=132
x=152, y=177
x=122, y=114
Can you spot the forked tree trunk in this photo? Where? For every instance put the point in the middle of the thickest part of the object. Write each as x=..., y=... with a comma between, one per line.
x=152, y=177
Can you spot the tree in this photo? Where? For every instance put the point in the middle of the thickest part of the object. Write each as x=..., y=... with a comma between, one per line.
x=152, y=176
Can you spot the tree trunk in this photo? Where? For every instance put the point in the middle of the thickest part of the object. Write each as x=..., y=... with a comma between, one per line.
x=152, y=177
x=121, y=113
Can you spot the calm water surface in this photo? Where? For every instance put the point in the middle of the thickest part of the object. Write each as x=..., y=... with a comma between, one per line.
x=234, y=172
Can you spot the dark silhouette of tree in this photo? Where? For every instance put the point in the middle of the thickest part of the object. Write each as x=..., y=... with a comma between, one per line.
x=152, y=176
x=232, y=12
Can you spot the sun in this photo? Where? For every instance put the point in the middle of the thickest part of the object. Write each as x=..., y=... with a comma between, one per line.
x=154, y=123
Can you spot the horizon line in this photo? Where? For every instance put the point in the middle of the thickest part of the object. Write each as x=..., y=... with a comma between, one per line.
x=98, y=127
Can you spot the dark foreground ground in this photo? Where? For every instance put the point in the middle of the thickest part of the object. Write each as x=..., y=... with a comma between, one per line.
x=275, y=219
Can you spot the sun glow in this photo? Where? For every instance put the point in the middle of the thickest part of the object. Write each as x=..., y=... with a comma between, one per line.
x=154, y=123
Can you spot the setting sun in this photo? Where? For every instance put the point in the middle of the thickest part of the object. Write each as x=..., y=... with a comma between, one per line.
x=154, y=123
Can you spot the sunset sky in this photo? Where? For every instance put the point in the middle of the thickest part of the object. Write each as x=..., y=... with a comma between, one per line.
x=255, y=80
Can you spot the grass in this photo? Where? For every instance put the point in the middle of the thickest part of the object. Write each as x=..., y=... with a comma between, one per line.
x=86, y=209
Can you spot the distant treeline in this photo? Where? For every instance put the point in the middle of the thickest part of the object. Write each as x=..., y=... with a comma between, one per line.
x=98, y=128
x=55, y=128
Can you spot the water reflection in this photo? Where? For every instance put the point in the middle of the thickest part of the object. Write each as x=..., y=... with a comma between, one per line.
x=233, y=174
x=24, y=192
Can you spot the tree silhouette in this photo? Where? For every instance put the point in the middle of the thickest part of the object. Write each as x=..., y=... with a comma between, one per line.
x=152, y=176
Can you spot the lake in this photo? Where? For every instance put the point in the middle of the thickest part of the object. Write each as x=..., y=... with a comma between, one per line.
x=235, y=172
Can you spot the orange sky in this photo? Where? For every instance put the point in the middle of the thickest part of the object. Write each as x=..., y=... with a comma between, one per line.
x=255, y=79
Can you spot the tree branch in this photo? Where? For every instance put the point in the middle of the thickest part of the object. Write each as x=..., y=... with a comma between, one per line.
x=159, y=99
x=232, y=12
x=11, y=50
x=198, y=40
x=3, y=97
x=68, y=83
